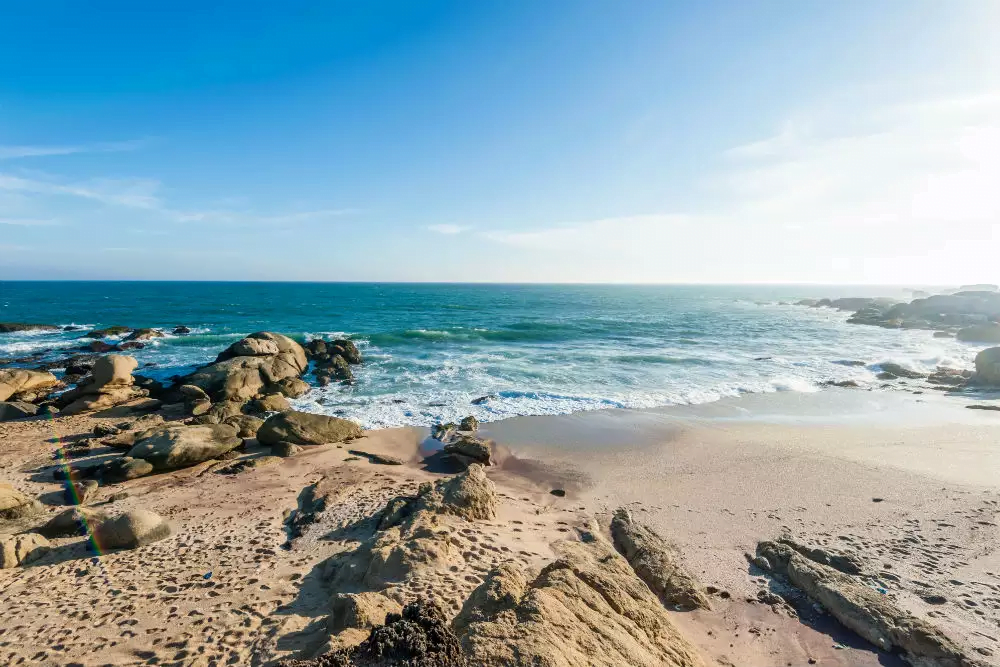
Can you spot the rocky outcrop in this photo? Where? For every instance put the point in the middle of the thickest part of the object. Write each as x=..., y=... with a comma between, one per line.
x=360, y=610
x=586, y=608
x=22, y=549
x=111, y=383
x=16, y=381
x=988, y=367
x=15, y=327
x=144, y=334
x=980, y=333
x=109, y=331
x=656, y=562
x=303, y=428
x=133, y=529
x=246, y=425
x=172, y=447
x=252, y=366
x=862, y=609
x=962, y=309
x=271, y=403
x=467, y=449
x=469, y=423
x=16, y=505
x=333, y=359
x=10, y=410
x=899, y=371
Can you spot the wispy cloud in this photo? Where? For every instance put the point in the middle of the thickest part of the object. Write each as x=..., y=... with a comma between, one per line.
x=132, y=193
x=245, y=217
x=27, y=222
x=447, y=229
x=27, y=151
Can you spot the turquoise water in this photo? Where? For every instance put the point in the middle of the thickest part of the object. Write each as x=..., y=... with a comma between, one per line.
x=537, y=349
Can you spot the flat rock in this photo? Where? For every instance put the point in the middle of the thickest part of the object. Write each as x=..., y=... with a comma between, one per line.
x=16, y=410
x=15, y=505
x=19, y=380
x=384, y=459
x=172, y=447
x=303, y=428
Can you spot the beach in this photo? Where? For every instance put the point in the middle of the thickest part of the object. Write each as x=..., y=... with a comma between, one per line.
x=917, y=502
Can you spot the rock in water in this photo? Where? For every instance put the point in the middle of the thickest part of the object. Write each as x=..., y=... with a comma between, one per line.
x=144, y=334
x=346, y=349
x=901, y=371
x=988, y=367
x=130, y=530
x=21, y=549
x=864, y=610
x=469, y=423
x=18, y=381
x=14, y=327
x=303, y=428
x=14, y=504
x=657, y=563
x=109, y=331
x=172, y=447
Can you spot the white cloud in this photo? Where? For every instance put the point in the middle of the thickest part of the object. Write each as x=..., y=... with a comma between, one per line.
x=447, y=229
x=18, y=152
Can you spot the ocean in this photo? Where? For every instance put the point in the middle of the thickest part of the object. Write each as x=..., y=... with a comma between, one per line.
x=431, y=349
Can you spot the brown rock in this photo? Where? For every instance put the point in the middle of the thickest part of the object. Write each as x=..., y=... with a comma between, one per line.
x=360, y=610
x=172, y=447
x=15, y=505
x=303, y=428
x=22, y=549
x=19, y=380
x=133, y=529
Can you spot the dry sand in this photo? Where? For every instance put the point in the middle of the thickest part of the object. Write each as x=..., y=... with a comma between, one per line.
x=230, y=588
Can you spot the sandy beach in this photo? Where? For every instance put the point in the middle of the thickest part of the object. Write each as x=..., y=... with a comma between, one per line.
x=234, y=584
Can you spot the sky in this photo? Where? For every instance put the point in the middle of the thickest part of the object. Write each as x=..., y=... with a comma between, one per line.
x=502, y=141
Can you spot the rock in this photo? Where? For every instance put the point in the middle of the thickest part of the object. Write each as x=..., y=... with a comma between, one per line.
x=383, y=459
x=558, y=493
x=181, y=330
x=943, y=334
x=841, y=561
x=336, y=367
x=360, y=610
x=16, y=410
x=22, y=549
x=78, y=493
x=272, y=403
x=124, y=469
x=292, y=387
x=872, y=615
x=988, y=367
x=947, y=376
x=238, y=375
x=470, y=495
x=144, y=334
x=346, y=349
x=200, y=406
x=85, y=400
x=444, y=432
x=483, y=399
x=586, y=608
x=898, y=370
x=172, y=447
x=303, y=428
x=100, y=347
x=983, y=407
x=105, y=430
x=657, y=563
x=470, y=423
x=249, y=464
x=109, y=331
x=316, y=348
x=133, y=529
x=16, y=327
x=468, y=449
x=19, y=380
x=285, y=449
x=74, y=521
x=192, y=392
x=16, y=505
x=980, y=333
x=846, y=384
x=419, y=637
x=246, y=425
x=113, y=370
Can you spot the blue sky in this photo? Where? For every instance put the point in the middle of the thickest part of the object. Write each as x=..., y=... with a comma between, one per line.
x=647, y=141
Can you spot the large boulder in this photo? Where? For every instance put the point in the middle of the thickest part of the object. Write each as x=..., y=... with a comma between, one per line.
x=14, y=504
x=113, y=370
x=988, y=367
x=657, y=563
x=130, y=530
x=74, y=521
x=468, y=449
x=346, y=349
x=19, y=380
x=980, y=333
x=116, y=330
x=252, y=366
x=22, y=549
x=303, y=428
x=111, y=384
x=172, y=447
x=144, y=334
x=16, y=410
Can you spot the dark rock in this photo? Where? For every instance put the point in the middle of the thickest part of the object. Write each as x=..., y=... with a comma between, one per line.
x=943, y=334
x=181, y=330
x=105, y=430
x=15, y=327
x=483, y=399
x=988, y=367
x=131, y=345
x=347, y=349
x=109, y=331
x=145, y=334
x=469, y=423
x=100, y=347
x=983, y=407
x=285, y=449
x=10, y=410
x=980, y=333
x=124, y=469
x=558, y=493
x=901, y=371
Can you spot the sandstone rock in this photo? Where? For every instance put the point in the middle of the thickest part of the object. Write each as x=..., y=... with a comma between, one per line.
x=842, y=561
x=246, y=425
x=980, y=333
x=22, y=549
x=988, y=367
x=285, y=449
x=18, y=380
x=181, y=446
x=199, y=406
x=272, y=403
x=113, y=370
x=292, y=387
x=192, y=392
x=15, y=505
x=107, y=397
x=123, y=469
x=249, y=464
x=657, y=563
x=469, y=423
x=586, y=608
x=470, y=495
x=74, y=521
x=360, y=610
x=302, y=428
x=250, y=366
x=133, y=529
x=864, y=610
x=253, y=347
x=105, y=430
x=16, y=410
x=336, y=367
x=468, y=449
x=144, y=334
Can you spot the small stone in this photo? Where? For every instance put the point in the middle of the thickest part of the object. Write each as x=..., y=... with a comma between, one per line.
x=559, y=493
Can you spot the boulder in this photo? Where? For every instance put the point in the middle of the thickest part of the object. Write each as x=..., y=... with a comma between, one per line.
x=15, y=505
x=285, y=449
x=78, y=493
x=109, y=331
x=249, y=464
x=113, y=370
x=74, y=521
x=191, y=392
x=19, y=380
x=133, y=529
x=123, y=469
x=303, y=428
x=335, y=368
x=346, y=349
x=468, y=449
x=16, y=410
x=656, y=562
x=253, y=347
x=246, y=425
x=106, y=397
x=470, y=495
x=469, y=423
x=292, y=387
x=181, y=330
x=172, y=447
x=980, y=333
x=272, y=403
x=144, y=334
x=871, y=614
x=901, y=371
x=238, y=376
x=988, y=367
x=22, y=549
x=100, y=347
